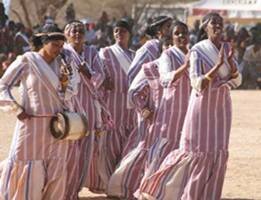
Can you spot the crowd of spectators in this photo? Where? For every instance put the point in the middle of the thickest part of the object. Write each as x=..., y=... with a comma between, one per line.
x=246, y=41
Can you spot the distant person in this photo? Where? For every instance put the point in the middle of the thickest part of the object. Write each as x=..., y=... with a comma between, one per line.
x=70, y=13
x=3, y=16
x=21, y=40
x=251, y=65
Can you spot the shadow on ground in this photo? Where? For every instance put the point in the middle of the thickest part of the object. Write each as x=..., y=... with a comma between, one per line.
x=236, y=199
x=105, y=198
x=96, y=198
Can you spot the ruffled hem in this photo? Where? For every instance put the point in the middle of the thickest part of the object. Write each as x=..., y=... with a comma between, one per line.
x=187, y=175
x=33, y=179
x=126, y=178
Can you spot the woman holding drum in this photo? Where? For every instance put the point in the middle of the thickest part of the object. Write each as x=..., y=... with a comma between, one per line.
x=36, y=167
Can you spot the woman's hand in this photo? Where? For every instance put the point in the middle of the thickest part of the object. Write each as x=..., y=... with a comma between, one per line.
x=22, y=115
x=187, y=58
x=231, y=62
x=108, y=84
x=221, y=56
x=84, y=70
x=147, y=114
x=212, y=73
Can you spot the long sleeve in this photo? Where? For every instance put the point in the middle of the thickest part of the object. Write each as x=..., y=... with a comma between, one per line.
x=167, y=74
x=142, y=56
x=235, y=82
x=73, y=85
x=12, y=75
x=196, y=76
x=138, y=94
x=98, y=74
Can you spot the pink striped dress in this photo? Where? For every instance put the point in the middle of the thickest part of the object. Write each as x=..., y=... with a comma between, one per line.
x=197, y=169
x=165, y=133
x=116, y=61
x=123, y=181
x=126, y=178
x=83, y=153
x=36, y=167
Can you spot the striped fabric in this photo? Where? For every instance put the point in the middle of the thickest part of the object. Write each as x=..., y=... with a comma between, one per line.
x=113, y=142
x=148, y=52
x=126, y=178
x=196, y=170
x=83, y=165
x=167, y=126
x=37, y=164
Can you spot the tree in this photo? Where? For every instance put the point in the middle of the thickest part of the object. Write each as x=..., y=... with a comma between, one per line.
x=32, y=12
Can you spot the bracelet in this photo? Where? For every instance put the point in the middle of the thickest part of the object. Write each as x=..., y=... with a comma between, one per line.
x=208, y=77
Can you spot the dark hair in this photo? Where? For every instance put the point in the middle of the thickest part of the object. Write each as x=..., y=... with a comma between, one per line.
x=202, y=33
x=72, y=24
x=45, y=34
x=156, y=25
x=124, y=24
x=179, y=23
x=51, y=32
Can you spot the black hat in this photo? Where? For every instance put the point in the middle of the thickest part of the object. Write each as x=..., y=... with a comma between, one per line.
x=157, y=21
x=124, y=24
x=50, y=32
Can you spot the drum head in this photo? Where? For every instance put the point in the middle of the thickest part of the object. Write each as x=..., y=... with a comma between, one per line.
x=59, y=126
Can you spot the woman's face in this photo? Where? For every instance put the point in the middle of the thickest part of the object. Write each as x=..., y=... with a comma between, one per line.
x=214, y=28
x=53, y=48
x=180, y=36
x=121, y=35
x=165, y=29
x=76, y=35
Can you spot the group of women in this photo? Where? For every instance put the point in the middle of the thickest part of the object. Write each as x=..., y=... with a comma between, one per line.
x=158, y=119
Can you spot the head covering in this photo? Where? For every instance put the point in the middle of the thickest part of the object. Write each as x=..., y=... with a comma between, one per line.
x=204, y=22
x=160, y=20
x=156, y=24
x=123, y=24
x=76, y=24
x=207, y=18
x=50, y=32
x=45, y=34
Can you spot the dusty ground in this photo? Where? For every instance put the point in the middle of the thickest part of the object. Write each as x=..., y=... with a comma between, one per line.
x=243, y=178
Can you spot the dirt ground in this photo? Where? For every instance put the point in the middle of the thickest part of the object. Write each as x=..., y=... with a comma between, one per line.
x=243, y=178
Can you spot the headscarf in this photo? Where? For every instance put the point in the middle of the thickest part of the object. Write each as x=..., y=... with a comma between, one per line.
x=123, y=24
x=204, y=22
x=72, y=26
x=45, y=34
x=156, y=24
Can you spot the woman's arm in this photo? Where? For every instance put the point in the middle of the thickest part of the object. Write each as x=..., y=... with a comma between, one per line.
x=199, y=80
x=10, y=78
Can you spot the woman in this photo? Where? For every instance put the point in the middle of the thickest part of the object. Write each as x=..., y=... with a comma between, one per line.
x=117, y=59
x=197, y=169
x=37, y=164
x=159, y=30
x=83, y=153
x=126, y=178
x=173, y=68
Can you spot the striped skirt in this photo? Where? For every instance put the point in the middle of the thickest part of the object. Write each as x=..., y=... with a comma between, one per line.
x=187, y=176
x=34, y=179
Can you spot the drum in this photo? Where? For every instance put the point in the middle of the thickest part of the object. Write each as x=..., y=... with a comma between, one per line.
x=69, y=126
